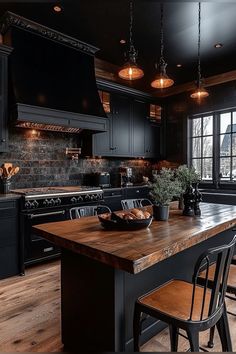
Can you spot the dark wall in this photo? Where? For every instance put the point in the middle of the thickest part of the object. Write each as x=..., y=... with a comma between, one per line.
x=43, y=162
x=177, y=109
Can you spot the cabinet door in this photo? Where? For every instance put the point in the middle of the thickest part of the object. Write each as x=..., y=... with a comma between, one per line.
x=3, y=105
x=102, y=141
x=152, y=140
x=139, y=118
x=9, y=239
x=121, y=126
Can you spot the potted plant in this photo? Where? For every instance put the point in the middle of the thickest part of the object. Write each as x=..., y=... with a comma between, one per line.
x=186, y=177
x=164, y=189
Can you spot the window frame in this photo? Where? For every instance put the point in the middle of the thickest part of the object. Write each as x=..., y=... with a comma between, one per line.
x=216, y=181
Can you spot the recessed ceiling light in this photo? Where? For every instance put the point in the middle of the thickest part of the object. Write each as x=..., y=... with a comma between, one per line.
x=218, y=45
x=122, y=41
x=179, y=65
x=57, y=8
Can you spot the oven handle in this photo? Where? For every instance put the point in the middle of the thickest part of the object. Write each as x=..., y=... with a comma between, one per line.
x=34, y=216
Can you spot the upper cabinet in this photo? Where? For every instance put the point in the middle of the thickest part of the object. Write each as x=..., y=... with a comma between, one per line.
x=4, y=52
x=130, y=133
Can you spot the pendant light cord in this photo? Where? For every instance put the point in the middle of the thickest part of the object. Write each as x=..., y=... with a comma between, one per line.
x=132, y=52
x=199, y=43
x=162, y=35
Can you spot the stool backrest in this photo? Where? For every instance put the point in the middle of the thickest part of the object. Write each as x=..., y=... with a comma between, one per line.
x=222, y=256
x=88, y=210
x=135, y=203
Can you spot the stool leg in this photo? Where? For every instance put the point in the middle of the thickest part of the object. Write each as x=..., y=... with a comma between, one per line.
x=193, y=338
x=174, y=337
x=211, y=338
x=224, y=333
x=136, y=327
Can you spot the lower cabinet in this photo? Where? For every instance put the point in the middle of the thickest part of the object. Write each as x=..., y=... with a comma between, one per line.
x=113, y=196
x=9, y=238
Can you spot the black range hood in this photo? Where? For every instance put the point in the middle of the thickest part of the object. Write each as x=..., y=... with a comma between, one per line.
x=52, y=84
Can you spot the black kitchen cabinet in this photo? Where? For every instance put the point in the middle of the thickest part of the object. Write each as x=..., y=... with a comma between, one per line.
x=116, y=141
x=139, y=117
x=137, y=192
x=4, y=52
x=113, y=197
x=9, y=238
x=152, y=140
x=130, y=133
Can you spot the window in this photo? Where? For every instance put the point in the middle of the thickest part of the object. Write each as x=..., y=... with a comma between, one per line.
x=212, y=146
x=202, y=146
x=227, y=138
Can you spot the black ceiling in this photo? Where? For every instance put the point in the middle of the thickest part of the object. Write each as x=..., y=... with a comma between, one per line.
x=103, y=23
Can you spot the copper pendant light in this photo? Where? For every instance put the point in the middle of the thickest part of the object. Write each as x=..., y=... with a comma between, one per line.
x=130, y=70
x=200, y=91
x=162, y=80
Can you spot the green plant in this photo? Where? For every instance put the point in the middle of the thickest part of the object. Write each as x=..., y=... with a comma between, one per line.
x=165, y=187
x=186, y=176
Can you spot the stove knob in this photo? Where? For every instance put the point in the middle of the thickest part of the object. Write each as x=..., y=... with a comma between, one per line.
x=73, y=200
x=28, y=205
x=99, y=196
x=95, y=196
x=51, y=202
x=58, y=201
x=87, y=197
x=35, y=204
x=46, y=202
x=80, y=199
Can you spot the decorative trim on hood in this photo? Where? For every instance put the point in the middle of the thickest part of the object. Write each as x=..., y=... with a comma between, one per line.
x=10, y=19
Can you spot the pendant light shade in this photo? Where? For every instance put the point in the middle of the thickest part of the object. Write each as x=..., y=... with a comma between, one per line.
x=200, y=91
x=130, y=70
x=162, y=80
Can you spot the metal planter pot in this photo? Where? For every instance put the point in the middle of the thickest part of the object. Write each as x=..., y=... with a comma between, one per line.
x=161, y=212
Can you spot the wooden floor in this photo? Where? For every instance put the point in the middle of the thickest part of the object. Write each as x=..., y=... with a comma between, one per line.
x=30, y=315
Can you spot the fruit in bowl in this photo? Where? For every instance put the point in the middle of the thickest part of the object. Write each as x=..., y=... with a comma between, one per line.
x=132, y=219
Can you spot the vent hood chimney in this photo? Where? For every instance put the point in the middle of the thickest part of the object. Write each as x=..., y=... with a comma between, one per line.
x=52, y=82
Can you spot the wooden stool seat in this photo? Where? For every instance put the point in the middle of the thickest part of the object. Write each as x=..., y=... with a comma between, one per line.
x=192, y=307
x=231, y=283
x=175, y=298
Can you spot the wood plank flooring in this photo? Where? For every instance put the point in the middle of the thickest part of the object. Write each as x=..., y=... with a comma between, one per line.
x=30, y=315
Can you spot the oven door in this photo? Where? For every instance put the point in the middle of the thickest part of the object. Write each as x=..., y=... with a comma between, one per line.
x=36, y=248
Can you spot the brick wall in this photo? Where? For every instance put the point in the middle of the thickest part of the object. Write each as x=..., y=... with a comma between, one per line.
x=43, y=162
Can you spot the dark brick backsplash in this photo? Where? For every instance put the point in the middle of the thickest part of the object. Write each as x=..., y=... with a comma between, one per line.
x=43, y=161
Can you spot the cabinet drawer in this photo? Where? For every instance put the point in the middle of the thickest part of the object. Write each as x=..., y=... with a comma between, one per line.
x=113, y=192
x=139, y=192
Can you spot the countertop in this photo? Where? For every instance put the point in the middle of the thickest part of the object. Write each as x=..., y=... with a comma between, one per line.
x=135, y=251
x=9, y=196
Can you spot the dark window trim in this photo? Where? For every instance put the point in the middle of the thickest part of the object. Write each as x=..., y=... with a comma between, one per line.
x=216, y=181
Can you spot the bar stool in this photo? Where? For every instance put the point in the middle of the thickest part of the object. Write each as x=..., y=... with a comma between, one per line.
x=230, y=289
x=88, y=210
x=189, y=306
x=135, y=203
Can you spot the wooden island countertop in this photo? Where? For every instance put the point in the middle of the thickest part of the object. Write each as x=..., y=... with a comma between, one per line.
x=134, y=251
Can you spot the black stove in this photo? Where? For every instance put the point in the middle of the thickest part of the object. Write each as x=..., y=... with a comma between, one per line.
x=46, y=197
x=49, y=204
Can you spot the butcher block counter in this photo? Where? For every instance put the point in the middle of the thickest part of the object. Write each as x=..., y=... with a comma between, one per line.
x=103, y=272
